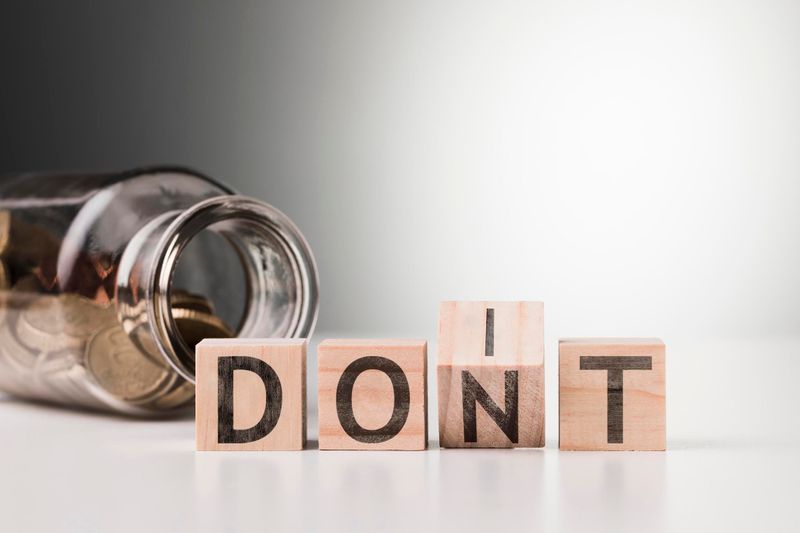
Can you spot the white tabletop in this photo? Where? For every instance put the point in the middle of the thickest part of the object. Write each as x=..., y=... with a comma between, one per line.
x=733, y=464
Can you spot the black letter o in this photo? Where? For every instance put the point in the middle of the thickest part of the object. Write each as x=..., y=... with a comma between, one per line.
x=344, y=399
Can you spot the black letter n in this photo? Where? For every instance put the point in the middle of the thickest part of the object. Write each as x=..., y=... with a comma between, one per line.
x=473, y=394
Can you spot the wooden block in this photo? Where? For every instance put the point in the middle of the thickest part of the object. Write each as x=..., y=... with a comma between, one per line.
x=373, y=395
x=251, y=394
x=611, y=394
x=491, y=374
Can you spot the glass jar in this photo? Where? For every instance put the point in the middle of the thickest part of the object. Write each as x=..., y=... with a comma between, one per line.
x=107, y=282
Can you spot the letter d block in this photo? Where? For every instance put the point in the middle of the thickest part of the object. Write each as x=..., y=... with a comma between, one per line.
x=611, y=394
x=373, y=395
x=251, y=394
x=491, y=374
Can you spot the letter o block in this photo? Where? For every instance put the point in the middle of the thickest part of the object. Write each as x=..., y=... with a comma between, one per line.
x=372, y=394
x=251, y=394
x=491, y=374
x=611, y=394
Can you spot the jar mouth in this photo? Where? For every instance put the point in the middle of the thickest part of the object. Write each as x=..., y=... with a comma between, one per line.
x=281, y=274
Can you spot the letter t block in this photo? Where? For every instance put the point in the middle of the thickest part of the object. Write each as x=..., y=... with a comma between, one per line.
x=491, y=374
x=611, y=394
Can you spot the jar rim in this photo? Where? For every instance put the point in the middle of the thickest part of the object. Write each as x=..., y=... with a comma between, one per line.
x=261, y=216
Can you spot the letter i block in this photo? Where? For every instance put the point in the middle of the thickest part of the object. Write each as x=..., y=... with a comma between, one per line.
x=611, y=394
x=373, y=395
x=491, y=374
x=251, y=394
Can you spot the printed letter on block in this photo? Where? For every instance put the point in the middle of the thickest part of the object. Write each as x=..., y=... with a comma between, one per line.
x=491, y=374
x=251, y=394
x=611, y=394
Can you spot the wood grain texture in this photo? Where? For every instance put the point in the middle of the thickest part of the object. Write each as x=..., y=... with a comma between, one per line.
x=612, y=394
x=286, y=358
x=372, y=394
x=486, y=350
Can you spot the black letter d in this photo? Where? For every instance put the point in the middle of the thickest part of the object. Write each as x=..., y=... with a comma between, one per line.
x=225, y=432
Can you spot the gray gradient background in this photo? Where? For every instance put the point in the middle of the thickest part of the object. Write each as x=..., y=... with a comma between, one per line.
x=633, y=164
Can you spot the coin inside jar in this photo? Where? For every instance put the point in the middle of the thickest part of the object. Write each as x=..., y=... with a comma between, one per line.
x=5, y=229
x=4, y=277
x=94, y=266
x=51, y=322
x=120, y=368
x=175, y=395
x=180, y=299
x=195, y=326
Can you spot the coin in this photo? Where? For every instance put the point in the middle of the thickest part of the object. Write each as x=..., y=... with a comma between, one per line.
x=120, y=368
x=5, y=229
x=51, y=323
x=5, y=285
x=11, y=302
x=57, y=362
x=16, y=363
x=195, y=326
x=11, y=382
x=58, y=377
x=27, y=284
x=5, y=297
x=4, y=278
x=179, y=394
x=77, y=316
x=17, y=353
x=180, y=299
x=69, y=349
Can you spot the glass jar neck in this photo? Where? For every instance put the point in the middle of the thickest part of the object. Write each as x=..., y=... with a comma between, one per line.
x=281, y=296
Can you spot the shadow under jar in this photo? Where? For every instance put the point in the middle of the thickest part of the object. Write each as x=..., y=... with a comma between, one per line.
x=107, y=282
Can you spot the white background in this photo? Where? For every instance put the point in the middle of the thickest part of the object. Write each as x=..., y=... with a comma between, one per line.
x=732, y=465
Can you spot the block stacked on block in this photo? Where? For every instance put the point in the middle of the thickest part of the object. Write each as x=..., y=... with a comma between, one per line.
x=491, y=374
x=611, y=394
x=251, y=394
x=372, y=394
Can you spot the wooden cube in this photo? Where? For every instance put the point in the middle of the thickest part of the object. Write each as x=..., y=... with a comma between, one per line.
x=611, y=394
x=491, y=374
x=251, y=394
x=373, y=395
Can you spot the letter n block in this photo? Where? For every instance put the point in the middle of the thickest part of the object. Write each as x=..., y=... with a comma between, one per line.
x=251, y=394
x=373, y=394
x=491, y=374
x=611, y=394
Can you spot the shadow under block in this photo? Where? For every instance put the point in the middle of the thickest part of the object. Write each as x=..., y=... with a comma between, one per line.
x=491, y=374
x=251, y=394
x=373, y=394
x=611, y=394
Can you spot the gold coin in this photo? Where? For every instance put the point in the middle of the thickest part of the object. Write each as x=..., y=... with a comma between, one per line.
x=5, y=300
x=195, y=326
x=28, y=284
x=5, y=229
x=12, y=382
x=12, y=302
x=178, y=394
x=120, y=368
x=51, y=323
x=15, y=351
x=16, y=364
x=58, y=377
x=57, y=362
x=180, y=299
x=5, y=282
